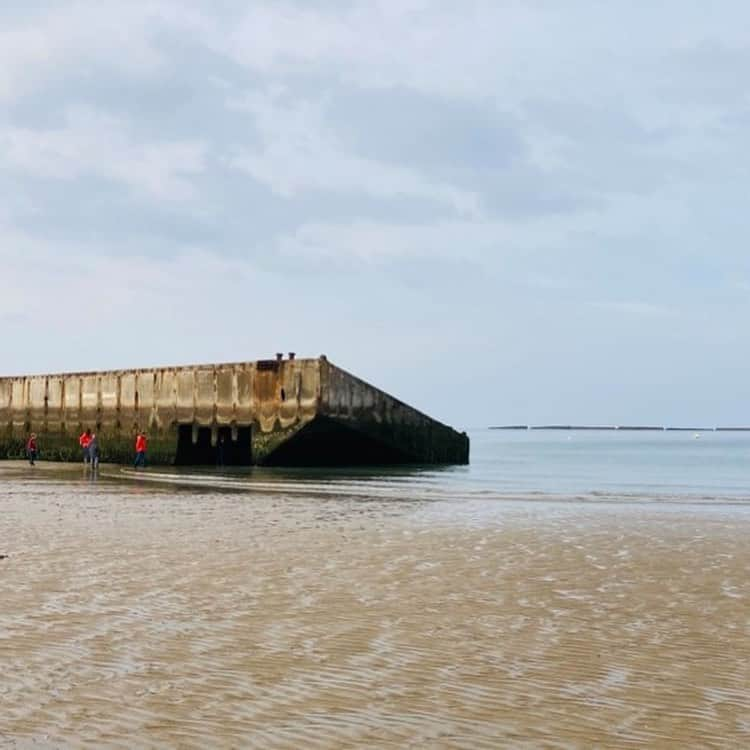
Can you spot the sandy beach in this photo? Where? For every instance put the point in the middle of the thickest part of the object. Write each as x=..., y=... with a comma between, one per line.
x=139, y=614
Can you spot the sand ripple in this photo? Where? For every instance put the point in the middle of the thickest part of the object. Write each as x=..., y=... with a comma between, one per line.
x=137, y=617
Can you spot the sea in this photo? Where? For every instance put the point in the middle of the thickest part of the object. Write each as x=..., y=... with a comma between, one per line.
x=653, y=464
x=607, y=465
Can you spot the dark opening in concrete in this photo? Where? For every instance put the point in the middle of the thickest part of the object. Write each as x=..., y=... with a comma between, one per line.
x=234, y=453
x=202, y=453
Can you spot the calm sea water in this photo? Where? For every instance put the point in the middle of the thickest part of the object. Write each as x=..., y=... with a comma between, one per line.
x=709, y=466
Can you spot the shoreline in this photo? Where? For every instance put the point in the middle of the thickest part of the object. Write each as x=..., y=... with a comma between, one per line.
x=366, y=485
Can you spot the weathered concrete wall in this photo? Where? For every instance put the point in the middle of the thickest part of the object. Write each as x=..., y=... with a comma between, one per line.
x=275, y=398
x=119, y=403
x=353, y=402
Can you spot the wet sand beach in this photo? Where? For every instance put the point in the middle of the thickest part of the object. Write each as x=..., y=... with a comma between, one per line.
x=148, y=614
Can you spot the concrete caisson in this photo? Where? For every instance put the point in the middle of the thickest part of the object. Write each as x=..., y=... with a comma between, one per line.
x=291, y=412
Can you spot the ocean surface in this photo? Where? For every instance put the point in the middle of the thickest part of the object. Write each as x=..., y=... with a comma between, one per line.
x=658, y=465
x=554, y=464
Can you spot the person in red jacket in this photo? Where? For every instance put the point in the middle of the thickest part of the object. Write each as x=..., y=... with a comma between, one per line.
x=140, y=449
x=31, y=448
x=85, y=441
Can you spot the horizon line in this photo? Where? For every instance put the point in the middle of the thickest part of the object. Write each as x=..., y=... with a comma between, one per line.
x=625, y=428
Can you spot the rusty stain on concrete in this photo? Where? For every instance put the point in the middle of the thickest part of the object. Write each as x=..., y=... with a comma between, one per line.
x=277, y=411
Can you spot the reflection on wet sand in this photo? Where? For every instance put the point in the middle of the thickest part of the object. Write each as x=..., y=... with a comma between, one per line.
x=134, y=615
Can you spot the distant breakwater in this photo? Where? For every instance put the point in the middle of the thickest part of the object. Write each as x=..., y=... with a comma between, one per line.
x=622, y=428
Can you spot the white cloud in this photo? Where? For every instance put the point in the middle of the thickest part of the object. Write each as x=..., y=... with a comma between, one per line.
x=92, y=143
x=492, y=243
x=431, y=46
x=498, y=49
x=88, y=35
x=636, y=65
x=374, y=242
x=639, y=308
x=298, y=153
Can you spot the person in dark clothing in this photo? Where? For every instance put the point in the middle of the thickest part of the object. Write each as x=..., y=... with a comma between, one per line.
x=32, y=449
x=94, y=451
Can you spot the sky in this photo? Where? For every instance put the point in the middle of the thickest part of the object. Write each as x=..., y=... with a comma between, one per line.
x=497, y=211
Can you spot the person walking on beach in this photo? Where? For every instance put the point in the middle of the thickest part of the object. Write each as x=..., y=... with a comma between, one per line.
x=84, y=441
x=140, y=450
x=94, y=451
x=32, y=449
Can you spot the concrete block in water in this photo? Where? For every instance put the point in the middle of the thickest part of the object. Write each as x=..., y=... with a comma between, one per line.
x=294, y=412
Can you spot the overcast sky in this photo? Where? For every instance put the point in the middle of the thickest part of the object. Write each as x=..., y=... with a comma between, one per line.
x=498, y=211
